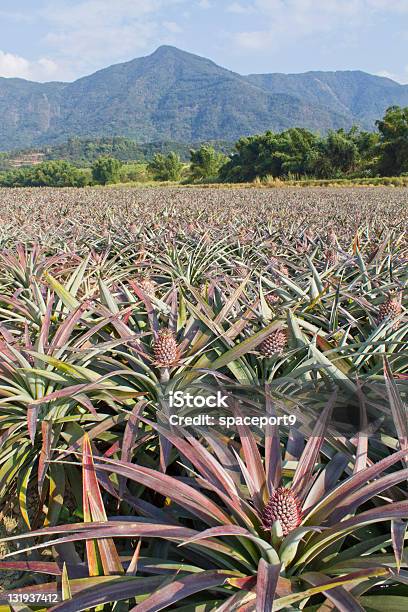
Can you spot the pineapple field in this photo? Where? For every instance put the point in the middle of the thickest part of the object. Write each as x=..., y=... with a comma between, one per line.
x=290, y=304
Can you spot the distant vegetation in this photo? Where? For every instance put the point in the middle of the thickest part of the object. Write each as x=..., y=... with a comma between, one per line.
x=206, y=163
x=106, y=170
x=83, y=152
x=298, y=153
x=47, y=174
x=295, y=154
x=166, y=167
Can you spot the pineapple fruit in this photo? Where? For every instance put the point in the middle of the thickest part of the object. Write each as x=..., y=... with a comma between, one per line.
x=283, y=506
x=391, y=309
x=165, y=349
x=274, y=344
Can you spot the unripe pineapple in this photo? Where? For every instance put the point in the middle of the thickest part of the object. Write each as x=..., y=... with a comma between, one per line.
x=283, y=506
x=391, y=309
x=302, y=246
x=278, y=266
x=148, y=286
x=332, y=238
x=331, y=257
x=308, y=235
x=272, y=299
x=165, y=349
x=274, y=344
x=245, y=236
x=241, y=271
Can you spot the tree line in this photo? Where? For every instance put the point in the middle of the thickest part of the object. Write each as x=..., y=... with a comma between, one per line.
x=295, y=153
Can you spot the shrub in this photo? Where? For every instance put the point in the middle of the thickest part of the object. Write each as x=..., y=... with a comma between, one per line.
x=136, y=173
x=46, y=174
x=206, y=163
x=106, y=170
x=166, y=167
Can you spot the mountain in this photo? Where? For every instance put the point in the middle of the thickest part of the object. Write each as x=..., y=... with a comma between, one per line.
x=172, y=95
x=361, y=97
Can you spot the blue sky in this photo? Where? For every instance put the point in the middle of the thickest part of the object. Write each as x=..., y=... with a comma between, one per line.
x=64, y=39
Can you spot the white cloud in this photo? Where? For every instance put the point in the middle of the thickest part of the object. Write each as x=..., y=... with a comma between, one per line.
x=400, y=78
x=288, y=20
x=173, y=27
x=17, y=16
x=399, y=6
x=205, y=4
x=12, y=65
x=253, y=41
x=239, y=9
x=94, y=13
x=331, y=6
x=91, y=34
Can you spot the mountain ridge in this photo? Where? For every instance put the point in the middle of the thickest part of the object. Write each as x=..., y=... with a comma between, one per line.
x=179, y=96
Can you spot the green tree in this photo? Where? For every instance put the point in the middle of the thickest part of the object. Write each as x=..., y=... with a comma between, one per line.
x=368, y=150
x=46, y=174
x=206, y=162
x=393, y=130
x=134, y=172
x=106, y=170
x=58, y=174
x=341, y=152
x=166, y=167
x=290, y=152
x=346, y=153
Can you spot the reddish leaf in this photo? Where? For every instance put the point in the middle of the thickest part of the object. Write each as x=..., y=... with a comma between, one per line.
x=399, y=411
x=266, y=584
x=180, y=589
x=32, y=417
x=129, y=438
x=186, y=496
x=350, y=503
x=253, y=461
x=398, y=529
x=273, y=457
x=94, y=510
x=339, y=596
x=307, y=462
x=46, y=433
x=351, y=485
x=34, y=567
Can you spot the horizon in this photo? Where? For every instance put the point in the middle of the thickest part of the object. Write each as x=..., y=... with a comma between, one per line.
x=383, y=76
x=64, y=41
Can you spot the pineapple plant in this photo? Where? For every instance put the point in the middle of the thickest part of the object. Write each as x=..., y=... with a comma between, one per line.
x=329, y=506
